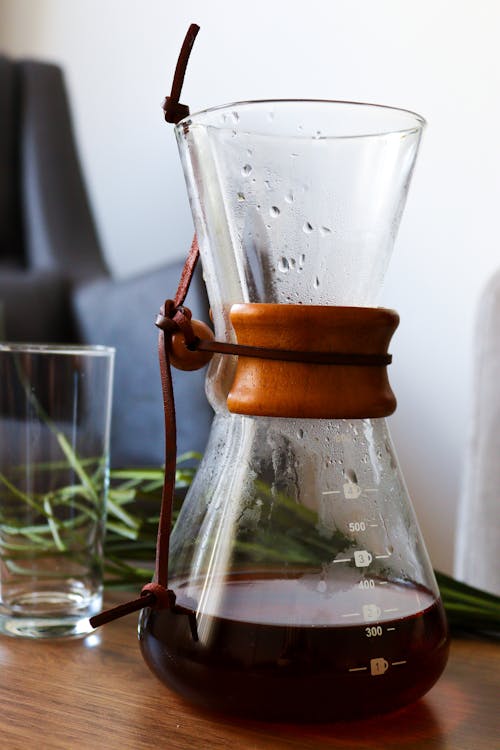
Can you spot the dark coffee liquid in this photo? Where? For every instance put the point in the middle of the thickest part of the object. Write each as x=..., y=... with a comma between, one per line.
x=360, y=653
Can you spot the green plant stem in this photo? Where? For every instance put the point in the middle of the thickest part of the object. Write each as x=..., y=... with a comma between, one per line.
x=468, y=608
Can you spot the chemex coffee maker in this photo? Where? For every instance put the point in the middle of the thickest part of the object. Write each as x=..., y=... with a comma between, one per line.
x=295, y=584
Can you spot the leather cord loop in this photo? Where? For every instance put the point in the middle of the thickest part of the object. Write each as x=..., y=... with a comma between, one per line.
x=174, y=318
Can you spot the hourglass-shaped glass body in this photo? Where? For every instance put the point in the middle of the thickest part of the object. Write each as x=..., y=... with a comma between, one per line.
x=297, y=547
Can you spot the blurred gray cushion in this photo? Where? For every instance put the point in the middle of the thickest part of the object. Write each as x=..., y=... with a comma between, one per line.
x=122, y=314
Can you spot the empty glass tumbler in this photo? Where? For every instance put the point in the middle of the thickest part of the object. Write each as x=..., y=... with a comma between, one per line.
x=55, y=404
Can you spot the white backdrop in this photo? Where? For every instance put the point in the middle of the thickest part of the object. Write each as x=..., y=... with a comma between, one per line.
x=438, y=57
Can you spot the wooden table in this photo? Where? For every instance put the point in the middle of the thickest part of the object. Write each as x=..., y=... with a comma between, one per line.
x=98, y=693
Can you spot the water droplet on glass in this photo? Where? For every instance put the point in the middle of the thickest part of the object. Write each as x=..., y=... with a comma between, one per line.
x=292, y=262
x=324, y=231
x=300, y=433
x=308, y=227
x=246, y=170
x=267, y=184
x=316, y=282
x=289, y=197
x=283, y=265
x=235, y=116
x=249, y=152
x=241, y=197
x=300, y=127
x=302, y=260
x=351, y=476
x=274, y=211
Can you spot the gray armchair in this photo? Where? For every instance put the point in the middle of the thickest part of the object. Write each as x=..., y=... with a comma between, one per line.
x=54, y=283
x=48, y=239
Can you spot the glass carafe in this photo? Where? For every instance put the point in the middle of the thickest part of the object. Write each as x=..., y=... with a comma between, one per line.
x=297, y=548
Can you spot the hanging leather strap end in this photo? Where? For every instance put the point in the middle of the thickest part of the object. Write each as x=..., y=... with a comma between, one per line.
x=152, y=595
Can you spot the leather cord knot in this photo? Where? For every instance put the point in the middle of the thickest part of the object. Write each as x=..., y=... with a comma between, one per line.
x=174, y=111
x=173, y=318
x=153, y=595
x=163, y=598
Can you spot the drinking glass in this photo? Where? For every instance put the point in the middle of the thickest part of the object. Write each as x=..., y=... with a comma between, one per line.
x=55, y=404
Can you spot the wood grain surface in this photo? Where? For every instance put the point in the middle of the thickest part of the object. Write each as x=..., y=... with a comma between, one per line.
x=98, y=693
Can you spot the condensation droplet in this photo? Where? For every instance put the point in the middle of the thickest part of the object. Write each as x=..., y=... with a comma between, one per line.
x=324, y=231
x=316, y=282
x=308, y=227
x=246, y=170
x=235, y=116
x=283, y=265
x=274, y=211
x=300, y=433
x=302, y=260
x=292, y=262
x=241, y=197
x=249, y=152
x=267, y=185
x=289, y=197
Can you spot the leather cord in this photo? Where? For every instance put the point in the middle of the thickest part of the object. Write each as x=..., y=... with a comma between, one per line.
x=157, y=595
x=175, y=318
x=292, y=355
x=173, y=109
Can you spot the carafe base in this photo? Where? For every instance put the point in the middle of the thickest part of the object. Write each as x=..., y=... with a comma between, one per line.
x=299, y=673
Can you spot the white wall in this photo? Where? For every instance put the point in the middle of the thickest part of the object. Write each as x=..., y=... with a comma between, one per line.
x=438, y=57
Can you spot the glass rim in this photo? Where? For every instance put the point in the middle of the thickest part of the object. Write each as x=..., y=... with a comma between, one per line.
x=91, y=350
x=419, y=122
